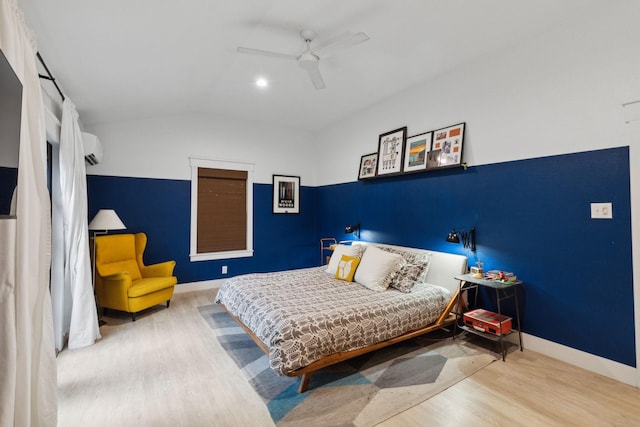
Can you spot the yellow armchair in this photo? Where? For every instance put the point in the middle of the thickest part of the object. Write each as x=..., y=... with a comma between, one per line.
x=123, y=282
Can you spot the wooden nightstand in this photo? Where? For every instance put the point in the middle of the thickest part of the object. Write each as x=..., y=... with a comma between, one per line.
x=504, y=291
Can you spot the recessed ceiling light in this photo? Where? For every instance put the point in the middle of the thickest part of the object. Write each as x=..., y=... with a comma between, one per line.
x=261, y=82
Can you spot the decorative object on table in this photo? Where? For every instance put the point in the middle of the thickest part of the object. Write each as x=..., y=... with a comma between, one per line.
x=477, y=271
x=446, y=149
x=390, y=151
x=286, y=194
x=500, y=276
x=468, y=238
x=353, y=229
x=368, y=166
x=415, y=152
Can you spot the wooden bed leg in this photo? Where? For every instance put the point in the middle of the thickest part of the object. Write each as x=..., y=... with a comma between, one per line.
x=304, y=382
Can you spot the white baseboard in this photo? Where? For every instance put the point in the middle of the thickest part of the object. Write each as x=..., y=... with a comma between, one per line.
x=198, y=286
x=608, y=368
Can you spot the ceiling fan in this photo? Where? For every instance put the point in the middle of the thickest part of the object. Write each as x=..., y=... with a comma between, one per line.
x=309, y=60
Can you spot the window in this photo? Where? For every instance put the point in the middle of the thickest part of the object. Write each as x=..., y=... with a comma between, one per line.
x=221, y=209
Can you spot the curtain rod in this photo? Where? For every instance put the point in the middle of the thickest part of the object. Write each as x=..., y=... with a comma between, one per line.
x=49, y=76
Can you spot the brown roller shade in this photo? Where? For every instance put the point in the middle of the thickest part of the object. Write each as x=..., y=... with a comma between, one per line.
x=222, y=210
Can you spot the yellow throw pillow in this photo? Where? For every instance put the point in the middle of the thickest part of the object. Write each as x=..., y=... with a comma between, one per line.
x=347, y=268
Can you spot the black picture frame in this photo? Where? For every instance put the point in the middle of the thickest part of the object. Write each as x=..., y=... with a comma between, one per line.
x=447, y=147
x=391, y=151
x=416, y=149
x=368, y=166
x=286, y=194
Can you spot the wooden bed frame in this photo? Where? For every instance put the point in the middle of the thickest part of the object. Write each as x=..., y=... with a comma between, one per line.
x=442, y=269
x=446, y=318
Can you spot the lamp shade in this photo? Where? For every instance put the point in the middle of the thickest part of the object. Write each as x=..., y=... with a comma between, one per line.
x=452, y=237
x=468, y=238
x=106, y=219
x=353, y=229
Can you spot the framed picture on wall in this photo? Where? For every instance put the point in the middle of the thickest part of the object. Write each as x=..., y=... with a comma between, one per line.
x=446, y=149
x=368, y=166
x=391, y=151
x=286, y=194
x=415, y=152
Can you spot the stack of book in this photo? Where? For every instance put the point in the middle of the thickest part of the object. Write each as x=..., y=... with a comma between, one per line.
x=499, y=275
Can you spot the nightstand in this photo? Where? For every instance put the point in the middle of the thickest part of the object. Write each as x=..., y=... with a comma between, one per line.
x=327, y=244
x=504, y=291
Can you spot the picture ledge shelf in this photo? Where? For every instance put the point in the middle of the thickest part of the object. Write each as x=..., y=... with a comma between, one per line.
x=462, y=166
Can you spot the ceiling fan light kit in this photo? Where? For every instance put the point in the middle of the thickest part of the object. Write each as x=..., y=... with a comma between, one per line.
x=309, y=60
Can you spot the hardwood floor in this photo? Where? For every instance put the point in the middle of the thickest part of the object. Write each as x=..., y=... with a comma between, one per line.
x=168, y=369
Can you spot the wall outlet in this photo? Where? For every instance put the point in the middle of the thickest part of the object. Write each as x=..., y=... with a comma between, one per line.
x=224, y=269
x=601, y=210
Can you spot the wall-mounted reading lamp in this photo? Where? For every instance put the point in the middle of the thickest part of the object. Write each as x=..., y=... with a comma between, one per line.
x=468, y=238
x=353, y=228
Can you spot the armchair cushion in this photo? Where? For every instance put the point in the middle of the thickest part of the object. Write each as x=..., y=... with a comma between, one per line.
x=146, y=286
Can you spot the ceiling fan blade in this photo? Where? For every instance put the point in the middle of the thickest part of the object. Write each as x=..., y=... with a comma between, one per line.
x=265, y=53
x=338, y=43
x=314, y=73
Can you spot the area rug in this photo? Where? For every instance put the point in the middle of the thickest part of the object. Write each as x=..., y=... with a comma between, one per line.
x=363, y=391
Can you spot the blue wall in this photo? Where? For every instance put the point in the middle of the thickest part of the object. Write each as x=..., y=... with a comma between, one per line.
x=532, y=218
x=8, y=181
x=161, y=209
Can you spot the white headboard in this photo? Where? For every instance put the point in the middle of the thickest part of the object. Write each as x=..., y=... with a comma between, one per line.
x=442, y=268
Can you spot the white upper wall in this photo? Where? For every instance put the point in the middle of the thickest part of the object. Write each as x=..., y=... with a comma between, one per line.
x=161, y=147
x=562, y=92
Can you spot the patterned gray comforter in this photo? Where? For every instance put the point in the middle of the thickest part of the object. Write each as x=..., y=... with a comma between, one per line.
x=305, y=315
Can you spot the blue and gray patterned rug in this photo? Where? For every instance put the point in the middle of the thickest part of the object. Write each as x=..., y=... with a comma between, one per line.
x=362, y=391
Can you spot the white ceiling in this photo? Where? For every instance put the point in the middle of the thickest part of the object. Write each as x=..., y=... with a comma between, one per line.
x=123, y=60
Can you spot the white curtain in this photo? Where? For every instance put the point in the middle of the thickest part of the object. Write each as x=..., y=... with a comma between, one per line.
x=74, y=309
x=27, y=353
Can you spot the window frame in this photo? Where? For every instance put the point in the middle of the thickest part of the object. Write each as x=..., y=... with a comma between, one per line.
x=196, y=163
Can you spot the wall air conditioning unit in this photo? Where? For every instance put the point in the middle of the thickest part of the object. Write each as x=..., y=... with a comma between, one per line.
x=92, y=148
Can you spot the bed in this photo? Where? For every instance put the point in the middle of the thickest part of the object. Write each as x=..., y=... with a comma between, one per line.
x=306, y=319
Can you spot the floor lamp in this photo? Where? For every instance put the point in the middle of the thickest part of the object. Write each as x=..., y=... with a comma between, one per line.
x=104, y=221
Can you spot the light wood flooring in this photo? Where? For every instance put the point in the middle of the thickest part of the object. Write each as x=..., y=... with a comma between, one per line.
x=168, y=369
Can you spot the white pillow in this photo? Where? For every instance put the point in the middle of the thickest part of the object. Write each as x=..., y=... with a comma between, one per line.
x=349, y=250
x=377, y=268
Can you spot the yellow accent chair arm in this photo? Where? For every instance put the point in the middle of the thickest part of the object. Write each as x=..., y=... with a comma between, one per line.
x=112, y=291
x=118, y=278
x=161, y=269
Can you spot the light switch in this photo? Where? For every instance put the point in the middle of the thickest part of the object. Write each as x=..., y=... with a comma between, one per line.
x=601, y=210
